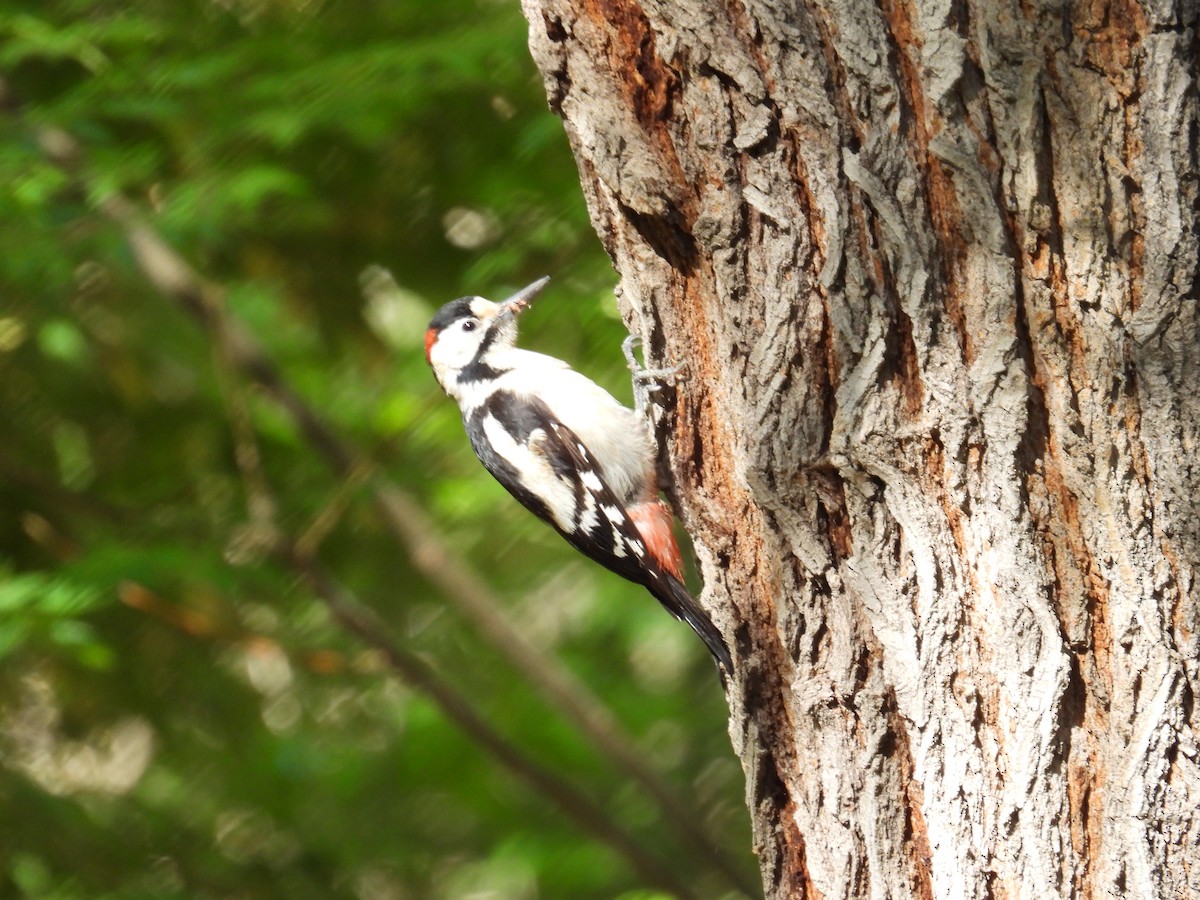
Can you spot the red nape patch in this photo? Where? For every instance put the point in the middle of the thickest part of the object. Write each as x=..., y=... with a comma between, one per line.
x=653, y=521
x=430, y=340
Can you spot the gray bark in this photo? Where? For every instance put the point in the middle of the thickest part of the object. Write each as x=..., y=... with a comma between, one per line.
x=932, y=271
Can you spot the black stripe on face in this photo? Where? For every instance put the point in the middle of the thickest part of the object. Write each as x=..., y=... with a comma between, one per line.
x=477, y=369
x=456, y=311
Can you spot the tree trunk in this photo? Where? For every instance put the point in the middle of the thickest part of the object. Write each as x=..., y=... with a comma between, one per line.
x=931, y=270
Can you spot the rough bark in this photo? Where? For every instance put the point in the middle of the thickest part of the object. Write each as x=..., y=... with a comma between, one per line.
x=932, y=271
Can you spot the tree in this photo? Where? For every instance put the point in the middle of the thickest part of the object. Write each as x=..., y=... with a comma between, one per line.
x=931, y=274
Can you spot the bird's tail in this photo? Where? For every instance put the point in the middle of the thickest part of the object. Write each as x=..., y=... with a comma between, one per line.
x=671, y=593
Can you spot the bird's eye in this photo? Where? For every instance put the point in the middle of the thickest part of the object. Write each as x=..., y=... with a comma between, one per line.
x=469, y=325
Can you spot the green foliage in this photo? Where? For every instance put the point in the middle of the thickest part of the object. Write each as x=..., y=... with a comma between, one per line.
x=179, y=715
x=39, y=609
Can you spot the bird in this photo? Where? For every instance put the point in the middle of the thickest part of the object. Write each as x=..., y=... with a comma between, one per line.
x=565, y=448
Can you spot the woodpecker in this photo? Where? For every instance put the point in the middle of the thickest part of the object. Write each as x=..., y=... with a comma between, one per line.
x=564, y=447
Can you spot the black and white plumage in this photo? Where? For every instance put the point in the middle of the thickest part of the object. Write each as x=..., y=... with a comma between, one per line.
x=564, y=447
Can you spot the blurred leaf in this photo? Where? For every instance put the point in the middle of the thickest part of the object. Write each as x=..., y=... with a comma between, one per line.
x=45, y=595
x=60, y=339
x=35, y=607
x=29, y=37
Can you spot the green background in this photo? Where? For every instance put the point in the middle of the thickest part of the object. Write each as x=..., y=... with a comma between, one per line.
x=180, y=715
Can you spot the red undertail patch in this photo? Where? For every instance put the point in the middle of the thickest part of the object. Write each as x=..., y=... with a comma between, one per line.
x=653, y=521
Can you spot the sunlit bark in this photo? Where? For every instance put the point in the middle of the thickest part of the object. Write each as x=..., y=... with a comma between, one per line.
x=931, y=270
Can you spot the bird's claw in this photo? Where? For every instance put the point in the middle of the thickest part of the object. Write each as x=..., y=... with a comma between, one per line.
x=645, y=380
x=631, y=343
x=628, y=346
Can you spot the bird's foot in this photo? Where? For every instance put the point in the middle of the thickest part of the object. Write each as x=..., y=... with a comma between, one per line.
x=645, y=381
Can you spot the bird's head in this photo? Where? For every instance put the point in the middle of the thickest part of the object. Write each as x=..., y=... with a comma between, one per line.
x=468, y=334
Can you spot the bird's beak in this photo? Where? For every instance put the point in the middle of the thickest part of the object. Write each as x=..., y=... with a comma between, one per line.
x=521, y=299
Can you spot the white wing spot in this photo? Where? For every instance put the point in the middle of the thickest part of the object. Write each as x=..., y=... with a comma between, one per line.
x=613, y=513
x=638, y=548
x=591, y=480
x=588, y=519
x=619, y=542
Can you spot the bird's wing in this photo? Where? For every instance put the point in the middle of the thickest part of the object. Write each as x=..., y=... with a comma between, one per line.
x=545, y=465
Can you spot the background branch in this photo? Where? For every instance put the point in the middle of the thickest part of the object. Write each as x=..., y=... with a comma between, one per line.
x=356, y=618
